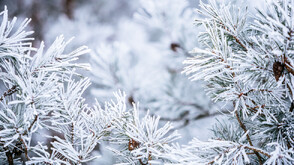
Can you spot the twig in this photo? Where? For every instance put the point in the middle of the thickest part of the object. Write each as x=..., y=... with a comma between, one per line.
x=31, y=126
x=254, y=90
x=25, y=147
x=248, y=137
x=235, y=37
x=9, y=92
x=9, y=156
x=24, y=144
x=35, y=119
x=72, y=134
x=257, y=150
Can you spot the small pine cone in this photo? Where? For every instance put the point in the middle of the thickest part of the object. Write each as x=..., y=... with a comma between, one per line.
x=174, y=46
x=133, y=144
x=278, y=68
x=131, y=100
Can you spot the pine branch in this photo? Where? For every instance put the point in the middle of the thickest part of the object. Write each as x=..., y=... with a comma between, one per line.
x=25, y=148
x=9, y=92
x=235, y=37
x=254, y=90
x=32, y=124
x=255, y=150
x=248, y=137
x=72, y=133
x=254, y=109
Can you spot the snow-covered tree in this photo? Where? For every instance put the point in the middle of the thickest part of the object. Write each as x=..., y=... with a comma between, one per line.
x=246, y=61
x=43, y=91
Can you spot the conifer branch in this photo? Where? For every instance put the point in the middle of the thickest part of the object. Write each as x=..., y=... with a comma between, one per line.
x=9, y=92
x=32, y=124
x=248, y=137
x=235, y=37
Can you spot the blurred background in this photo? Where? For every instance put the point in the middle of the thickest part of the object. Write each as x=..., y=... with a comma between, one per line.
x=137, y=46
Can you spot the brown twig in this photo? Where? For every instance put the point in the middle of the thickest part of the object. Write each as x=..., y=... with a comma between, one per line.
x=72, y=133
x=32, y=124
x=235, y=37
x=9, y=156
x=247, y=136
x=9, y=92
x=25, y=147
x=285, y=61
x=258, y=151
x=254, y=109
x=287, y=64
x=254, y=90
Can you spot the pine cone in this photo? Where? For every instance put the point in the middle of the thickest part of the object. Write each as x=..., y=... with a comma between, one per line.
x=174, y=46
x=278, y=68
x=133, y=144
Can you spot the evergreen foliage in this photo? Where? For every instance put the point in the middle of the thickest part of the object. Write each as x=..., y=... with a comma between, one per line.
x=44, y=91
x=244, y=61
x=247, y=61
